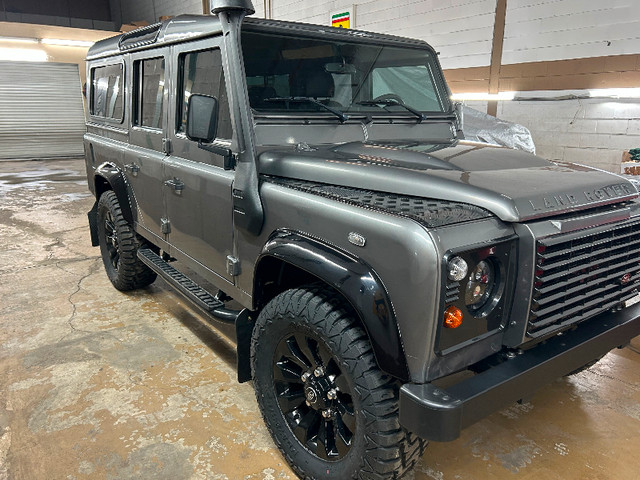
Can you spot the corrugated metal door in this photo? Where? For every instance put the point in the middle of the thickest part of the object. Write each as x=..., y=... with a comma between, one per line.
x=41, y=111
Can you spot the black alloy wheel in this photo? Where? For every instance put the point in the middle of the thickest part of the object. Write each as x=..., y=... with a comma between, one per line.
x=314, y=395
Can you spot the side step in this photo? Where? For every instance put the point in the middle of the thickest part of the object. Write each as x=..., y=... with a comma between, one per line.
x=209, y=304
x=180, y=281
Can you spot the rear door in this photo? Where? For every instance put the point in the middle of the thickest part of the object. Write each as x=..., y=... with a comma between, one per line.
x=144, y=162
x=198, y=191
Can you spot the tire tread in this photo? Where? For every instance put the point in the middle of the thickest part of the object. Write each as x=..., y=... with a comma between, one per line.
x=391, y=451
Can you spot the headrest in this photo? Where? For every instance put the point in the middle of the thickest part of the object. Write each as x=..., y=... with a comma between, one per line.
x=320, y=84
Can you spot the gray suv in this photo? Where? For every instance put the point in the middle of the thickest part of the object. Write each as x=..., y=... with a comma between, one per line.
x=319, y=178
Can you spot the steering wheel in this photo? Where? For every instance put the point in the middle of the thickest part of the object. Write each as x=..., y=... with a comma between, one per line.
x=388, y=96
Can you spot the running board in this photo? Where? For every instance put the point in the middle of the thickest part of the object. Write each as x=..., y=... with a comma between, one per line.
x=180, y=281
x=208, y=303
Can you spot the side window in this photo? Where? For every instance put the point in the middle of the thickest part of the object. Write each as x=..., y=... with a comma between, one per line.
x=107, y=94
x=149, y=88
x=202, y=73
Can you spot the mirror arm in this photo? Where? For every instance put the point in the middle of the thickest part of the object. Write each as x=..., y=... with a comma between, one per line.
x=225, y=153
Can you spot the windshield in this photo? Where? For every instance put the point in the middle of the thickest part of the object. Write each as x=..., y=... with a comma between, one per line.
x=293, y=74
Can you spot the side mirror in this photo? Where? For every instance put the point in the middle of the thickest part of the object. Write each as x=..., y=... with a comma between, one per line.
x=202, y=118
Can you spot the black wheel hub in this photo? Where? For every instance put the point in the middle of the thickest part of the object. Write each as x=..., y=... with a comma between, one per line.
x=314, y=396
x=316, y=391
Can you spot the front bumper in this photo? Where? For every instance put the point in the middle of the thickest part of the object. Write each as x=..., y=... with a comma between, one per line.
x=440, y=415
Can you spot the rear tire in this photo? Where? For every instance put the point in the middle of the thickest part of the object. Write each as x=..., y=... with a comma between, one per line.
x=330, y=410
x=119, y=246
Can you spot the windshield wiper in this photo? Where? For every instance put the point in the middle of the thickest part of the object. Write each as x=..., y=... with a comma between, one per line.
x=391, y=102
x=341, y=115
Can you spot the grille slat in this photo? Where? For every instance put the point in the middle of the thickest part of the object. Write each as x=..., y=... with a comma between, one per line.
x=581, y=275
x=624, y=267
x=591, y=265
x=547, y=265
x=586, y=315
x=567, y=312
x=581, y=243
x=587, y=286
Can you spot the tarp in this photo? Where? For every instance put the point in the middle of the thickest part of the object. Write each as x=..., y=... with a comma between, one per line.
x=480, y=127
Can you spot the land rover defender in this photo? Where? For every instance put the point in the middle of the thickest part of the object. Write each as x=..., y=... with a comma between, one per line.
x=319, y=178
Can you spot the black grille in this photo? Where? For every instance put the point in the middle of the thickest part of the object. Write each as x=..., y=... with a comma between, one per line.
x=581, y=275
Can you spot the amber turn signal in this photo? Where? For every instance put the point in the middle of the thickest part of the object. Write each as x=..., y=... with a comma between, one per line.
x=452, y=317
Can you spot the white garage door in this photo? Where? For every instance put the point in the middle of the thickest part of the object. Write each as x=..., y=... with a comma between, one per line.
x=41, y=112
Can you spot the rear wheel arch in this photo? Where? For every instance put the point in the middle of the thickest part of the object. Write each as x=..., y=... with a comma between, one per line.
x=109, y=177
x=290, y=260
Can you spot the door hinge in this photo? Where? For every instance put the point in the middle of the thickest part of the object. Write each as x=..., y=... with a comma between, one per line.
x=233, y=266
x=165, y=226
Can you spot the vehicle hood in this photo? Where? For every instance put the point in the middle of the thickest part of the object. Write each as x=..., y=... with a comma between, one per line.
x=513, y=185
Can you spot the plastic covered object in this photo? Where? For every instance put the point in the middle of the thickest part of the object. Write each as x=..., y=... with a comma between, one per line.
x=480, y=127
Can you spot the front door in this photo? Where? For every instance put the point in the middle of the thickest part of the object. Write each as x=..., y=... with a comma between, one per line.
x=144, y=159
x=198, y=189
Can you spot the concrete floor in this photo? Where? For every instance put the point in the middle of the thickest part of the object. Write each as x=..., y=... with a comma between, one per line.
x=97, y=384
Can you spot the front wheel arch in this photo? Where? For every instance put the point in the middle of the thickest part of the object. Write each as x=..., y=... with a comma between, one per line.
x=290, y=260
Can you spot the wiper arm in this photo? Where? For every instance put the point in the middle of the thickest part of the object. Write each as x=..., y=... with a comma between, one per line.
x=341, y=115
x=389, y=102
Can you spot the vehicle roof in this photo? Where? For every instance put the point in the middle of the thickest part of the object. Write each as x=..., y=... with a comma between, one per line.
x=189, y=27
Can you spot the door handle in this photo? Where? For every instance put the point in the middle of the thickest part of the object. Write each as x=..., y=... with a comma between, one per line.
x=133, y=168
x=176, y=184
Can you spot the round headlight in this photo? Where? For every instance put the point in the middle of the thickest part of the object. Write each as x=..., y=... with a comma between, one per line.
x=457, y=269
x=480, y=286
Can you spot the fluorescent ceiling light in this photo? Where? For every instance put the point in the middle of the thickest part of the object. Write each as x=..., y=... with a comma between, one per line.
x=615, y=93
x=19, y=39
x=484, y=96
x=22, y=55
x=66, y=43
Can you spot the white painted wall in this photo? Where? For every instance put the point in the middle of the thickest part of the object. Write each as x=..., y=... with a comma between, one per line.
x=541, y=30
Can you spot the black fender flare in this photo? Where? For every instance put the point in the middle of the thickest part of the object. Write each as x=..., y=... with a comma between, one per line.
x=111, y=174
x=109, y=177
x=356, y=281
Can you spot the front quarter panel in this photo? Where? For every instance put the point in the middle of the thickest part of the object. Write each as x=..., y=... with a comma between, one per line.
x=399, y=250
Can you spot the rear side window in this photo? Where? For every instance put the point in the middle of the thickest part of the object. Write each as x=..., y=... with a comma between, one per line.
x=149, y=87
x=107, y=93
x=202, y=73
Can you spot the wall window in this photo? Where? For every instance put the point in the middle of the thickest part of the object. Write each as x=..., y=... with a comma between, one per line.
x=107, y=93
x=202, y=73
x=149, y=92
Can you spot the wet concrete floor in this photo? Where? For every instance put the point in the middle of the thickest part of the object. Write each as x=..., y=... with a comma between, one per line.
x=99, y=384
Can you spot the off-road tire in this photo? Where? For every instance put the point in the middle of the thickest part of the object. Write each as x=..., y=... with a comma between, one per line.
x=119, y=245
x=380, y=448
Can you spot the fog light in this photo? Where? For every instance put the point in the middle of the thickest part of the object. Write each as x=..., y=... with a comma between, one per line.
x=457, y=269
x=452, y=317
